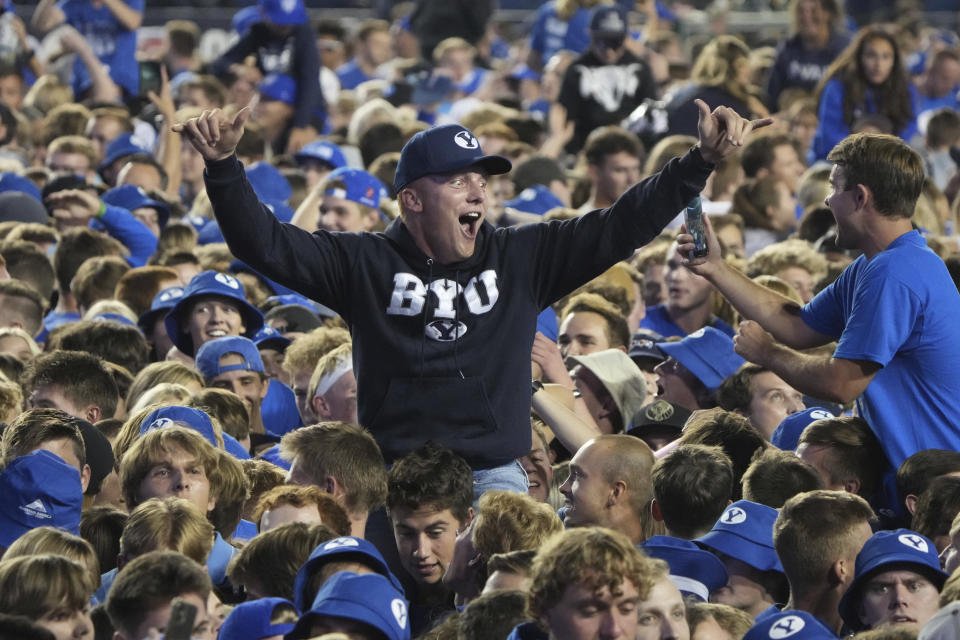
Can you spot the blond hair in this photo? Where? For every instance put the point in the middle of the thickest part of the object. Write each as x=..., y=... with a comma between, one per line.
x=307, y=349
x=157, y=372
x=59, y=543
x=35, y=585
x=172, y=524
x=331, y=513
x=509, y=521
x=328, y=365
x=776, y=257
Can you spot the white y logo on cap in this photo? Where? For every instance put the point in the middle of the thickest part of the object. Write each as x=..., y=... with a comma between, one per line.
x=399, y=609
x=174, y=292
x=821, y=414
x=733, y=515
x=698, y=333
x=230, y=281
x=914, y=541
x=161, y=423
x=466, y=140
x=288, y=5
x=337, y=543
x=786, y=627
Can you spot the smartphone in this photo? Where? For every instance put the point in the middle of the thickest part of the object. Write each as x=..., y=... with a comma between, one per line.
x=150, y=78
x=183, y=615
x=696, y=228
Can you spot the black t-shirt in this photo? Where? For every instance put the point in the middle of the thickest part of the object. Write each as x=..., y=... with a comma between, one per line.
x=596, y=94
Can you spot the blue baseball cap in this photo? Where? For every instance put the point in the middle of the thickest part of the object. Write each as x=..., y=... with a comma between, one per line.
x=115, y=317
x=795, y=624
x=361, y=187
x=324, y=152
x=13, y=182
x=368, y=598
x=165, y=300
x=787, y=434
x=537, y=199
x=131, y=197
x=209, y=354
x=279, y=86
x=342, y=548
x=272, y=455
x=708, y=354
x=299, y=300
x=745, y=532
x=608, y=20
x=179, y=416
x=443, y=149
x=696, y=572
x=241, y=21
x=239, y=266
x=210, y=284
x=38, y=490
x=268, y=183
x=232, y=446
x=270, y=338
x=251, y=620
x=122, y=145
x=284, y=12
x=890, y=551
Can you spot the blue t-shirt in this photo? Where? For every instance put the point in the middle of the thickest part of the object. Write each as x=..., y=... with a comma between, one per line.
x=112, y=43
x=551, y=34
x=279, y=409
x=899, y=309
x=657, y=319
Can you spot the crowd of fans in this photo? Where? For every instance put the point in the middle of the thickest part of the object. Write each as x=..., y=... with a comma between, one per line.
x=272, y=298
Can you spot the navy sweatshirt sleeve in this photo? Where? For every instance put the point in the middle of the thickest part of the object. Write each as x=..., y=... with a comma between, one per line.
x=307, y=69
x=274, y=248
x=572, y=252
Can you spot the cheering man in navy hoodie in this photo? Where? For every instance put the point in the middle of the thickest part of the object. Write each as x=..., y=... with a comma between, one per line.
x=443, y=307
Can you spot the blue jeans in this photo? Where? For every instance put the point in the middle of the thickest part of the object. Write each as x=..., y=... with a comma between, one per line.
x=508, y=477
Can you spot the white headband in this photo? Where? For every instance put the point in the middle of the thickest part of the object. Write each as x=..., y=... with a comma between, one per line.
x=330, y=379
x=690, y=585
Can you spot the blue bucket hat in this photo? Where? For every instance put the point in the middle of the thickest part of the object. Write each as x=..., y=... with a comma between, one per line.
x=342, y=548
x=210, y=284
x=361, y=187
x=38, y=490
x=284, y=12
x=745, y=532
x=175, y=415
x=787, y=434
x=13, y=182
x=251, y=620
x=794, y=624
x=324, y=152
x=537, y=199
x=165, y=300
x=209, y=354
x=890, y=550
x=239, y=266
x=279, y=86
x=708, y=354
x=122, y=145
x=443, y=149
x=368, y=598
x=696, y=572
x=131, y=197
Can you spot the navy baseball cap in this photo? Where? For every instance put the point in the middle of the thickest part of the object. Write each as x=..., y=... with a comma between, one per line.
x=122, y=145
x=787, y=434
x=361, y=187
x=342, y=548
x=696, y=572
x=38, y=490
x=178, y=416
x=13, y=182
x=745, y=532
x=795, y=624
x=324, y=152
x=900, y=549
x=279, y=86
x=644, y=351
x=368, y=598
x=708, y=354
x=251, y=620
x=284, y=12
x=270, y=338
x=443, y=149
x=131, y=197
x=165, y=300
x=537, y=199
x=210, y=284
x=608, y=20
x=209, y=354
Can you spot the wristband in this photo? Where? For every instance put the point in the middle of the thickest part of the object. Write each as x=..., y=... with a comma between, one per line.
x=537, y=386
x=101, y=211
x=576, y=393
